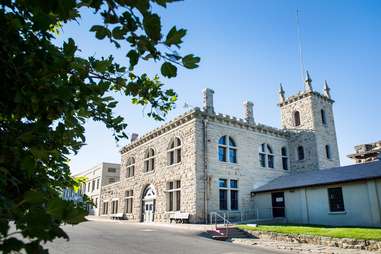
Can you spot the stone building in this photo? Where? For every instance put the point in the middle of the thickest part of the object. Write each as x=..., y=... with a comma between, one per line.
x=366, y=152
x=96, y=177
x=203, y=162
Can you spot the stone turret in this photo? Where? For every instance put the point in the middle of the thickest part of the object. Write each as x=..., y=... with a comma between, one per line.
x=248, y=111
x=281, y=94
x=326, y=90
x=308, y=83
x=208, y=100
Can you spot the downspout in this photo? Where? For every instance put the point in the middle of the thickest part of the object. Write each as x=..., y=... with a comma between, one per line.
x=205, y=150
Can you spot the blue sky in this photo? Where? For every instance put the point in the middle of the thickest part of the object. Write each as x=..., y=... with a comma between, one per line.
x=247, y=48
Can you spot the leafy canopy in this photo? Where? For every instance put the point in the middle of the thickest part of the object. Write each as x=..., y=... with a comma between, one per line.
x=48, y=92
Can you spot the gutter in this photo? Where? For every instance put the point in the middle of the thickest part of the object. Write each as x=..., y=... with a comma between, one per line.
x=205, y=150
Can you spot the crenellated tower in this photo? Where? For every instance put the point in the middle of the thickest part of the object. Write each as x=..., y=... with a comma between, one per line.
x=309, y=117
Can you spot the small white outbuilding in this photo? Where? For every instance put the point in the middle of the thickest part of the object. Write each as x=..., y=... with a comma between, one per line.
x=341, y=196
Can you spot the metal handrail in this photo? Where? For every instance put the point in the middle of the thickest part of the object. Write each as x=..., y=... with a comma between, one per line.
x=226, y=222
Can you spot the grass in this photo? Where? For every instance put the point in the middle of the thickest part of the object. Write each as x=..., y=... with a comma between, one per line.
x=338, y=232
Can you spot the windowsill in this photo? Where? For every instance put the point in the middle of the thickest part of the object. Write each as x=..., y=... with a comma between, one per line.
x=128, y=177
x=149, y=172
x=335, y=213
x=175, y=164
x=228, y=163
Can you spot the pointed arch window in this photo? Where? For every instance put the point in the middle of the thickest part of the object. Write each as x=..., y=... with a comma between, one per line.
x=130, y=167
x=284, y=158
x=266, y=156
x=300, y=153
x=174, y=151
x=227, y=149
x=323, y=117
x=297, y=118
x=149, y=160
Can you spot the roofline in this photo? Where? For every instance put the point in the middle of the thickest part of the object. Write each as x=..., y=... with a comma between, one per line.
x=319, y=184
x=198, y=113
x=302, y=95
x=95, y=166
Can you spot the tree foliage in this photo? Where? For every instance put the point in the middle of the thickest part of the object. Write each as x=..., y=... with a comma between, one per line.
x=48, y=92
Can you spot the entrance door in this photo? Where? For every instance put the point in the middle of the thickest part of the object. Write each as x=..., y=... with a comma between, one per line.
x=278, y=204
x=148, y=211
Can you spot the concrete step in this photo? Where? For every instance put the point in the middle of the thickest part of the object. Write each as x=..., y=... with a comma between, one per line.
x=220, y=233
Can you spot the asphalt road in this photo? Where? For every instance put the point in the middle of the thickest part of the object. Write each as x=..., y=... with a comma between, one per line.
x=107, y=237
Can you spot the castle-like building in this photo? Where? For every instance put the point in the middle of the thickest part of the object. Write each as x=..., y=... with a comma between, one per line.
x=203, y=162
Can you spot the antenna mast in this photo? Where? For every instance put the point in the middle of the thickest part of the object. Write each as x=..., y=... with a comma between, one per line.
x=300, y=45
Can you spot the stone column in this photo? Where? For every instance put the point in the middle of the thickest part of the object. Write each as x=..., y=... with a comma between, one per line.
x=208, y=100
x=248, y=111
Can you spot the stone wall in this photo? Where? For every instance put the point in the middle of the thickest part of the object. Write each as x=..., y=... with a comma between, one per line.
x=345, y=243
x=159, y=178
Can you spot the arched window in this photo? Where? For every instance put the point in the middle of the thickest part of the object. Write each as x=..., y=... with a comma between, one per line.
x=130, y=167
x=323, y=118
x=300, y=153
x=227, y=149
x=284, y=158
x=296, y=118
x=266, y=156
x=149, y=160
x=174, y=151
x=328, y=151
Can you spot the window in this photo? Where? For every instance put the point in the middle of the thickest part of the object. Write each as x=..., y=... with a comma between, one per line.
x=296, y=118
x=149, y=160
x=111, y=170
x=328, y=152
x=174, y=151
x=228, y=193
x=266, y=153
x=96, y=202
x=88, y=186
x=114, y=206
x=130, y=167
x=105, y=208
x=93, y=186
x=111, y=180
x=128, y=197
x=284, y=158
x=300, y=153
x=336, y=201
x=84, y=188
x=323, y=118
x=227, y=149
x=174, y=195
x=97, y=184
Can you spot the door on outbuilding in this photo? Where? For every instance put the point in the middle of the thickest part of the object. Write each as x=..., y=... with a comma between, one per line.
x=278, y=204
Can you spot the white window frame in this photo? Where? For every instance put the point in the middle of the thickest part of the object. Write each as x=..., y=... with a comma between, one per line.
x=129, y=199
x=228, y=188
x=175, y=150
x=150, y=159
x=176, y=193
x=130, y=167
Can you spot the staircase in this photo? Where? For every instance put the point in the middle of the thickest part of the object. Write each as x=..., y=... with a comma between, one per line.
x=223, y=229
x=222, y=234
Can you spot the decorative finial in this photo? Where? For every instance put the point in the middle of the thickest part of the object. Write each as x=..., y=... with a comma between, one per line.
x=281, y=93
x=308, y=83
x=326, y=90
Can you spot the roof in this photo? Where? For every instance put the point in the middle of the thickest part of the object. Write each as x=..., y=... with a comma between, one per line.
x=349, y=173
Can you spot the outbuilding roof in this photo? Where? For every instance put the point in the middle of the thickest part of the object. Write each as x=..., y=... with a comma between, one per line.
x=349, y=173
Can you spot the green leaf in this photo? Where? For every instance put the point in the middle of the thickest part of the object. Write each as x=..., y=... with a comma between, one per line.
x=168, y=70
x=118, y=33
x=56, y=207
x=190, y=61
x=133, y=55
x=174, y=36
x=100, y=31
x=69, y=47
x=152, y=26
x=34, y=197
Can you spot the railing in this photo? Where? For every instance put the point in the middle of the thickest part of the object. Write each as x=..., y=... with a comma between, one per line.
x=256, y=214
x=215, y=218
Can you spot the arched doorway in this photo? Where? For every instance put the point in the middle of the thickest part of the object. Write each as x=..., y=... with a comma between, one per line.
x=148, y=202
